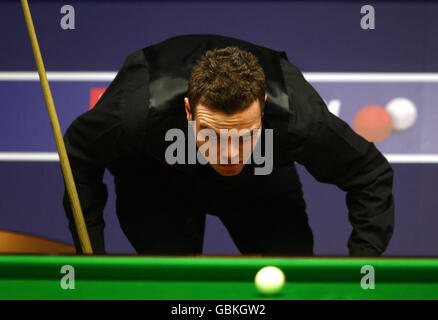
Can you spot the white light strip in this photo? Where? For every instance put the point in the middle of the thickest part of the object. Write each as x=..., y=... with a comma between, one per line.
x=29, y=156
x=58, y=76
x=412, y=158
x=310, y=76
x=370, y=77
x=53, y=156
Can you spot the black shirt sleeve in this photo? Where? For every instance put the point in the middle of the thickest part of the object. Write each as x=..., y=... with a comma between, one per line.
x=99, y=138
x=333, y=153
x=84, y=141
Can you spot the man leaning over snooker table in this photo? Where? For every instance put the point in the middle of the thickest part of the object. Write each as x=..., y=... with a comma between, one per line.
x=221, y=83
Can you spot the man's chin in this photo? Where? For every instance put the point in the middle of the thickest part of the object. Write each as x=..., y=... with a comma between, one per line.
x=228, y=170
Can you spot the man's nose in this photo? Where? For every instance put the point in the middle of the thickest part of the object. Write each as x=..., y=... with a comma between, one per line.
x=231, y=154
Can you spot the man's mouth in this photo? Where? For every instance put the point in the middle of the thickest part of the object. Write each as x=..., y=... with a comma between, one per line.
x=229, y=166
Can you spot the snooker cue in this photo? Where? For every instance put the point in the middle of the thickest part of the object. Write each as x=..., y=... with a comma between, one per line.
x=65, y=164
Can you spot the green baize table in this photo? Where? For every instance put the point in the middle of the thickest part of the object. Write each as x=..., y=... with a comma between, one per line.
x=213, y=277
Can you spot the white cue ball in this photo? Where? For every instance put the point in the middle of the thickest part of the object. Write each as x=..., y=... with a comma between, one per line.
x=403, y=113
x=269, y=280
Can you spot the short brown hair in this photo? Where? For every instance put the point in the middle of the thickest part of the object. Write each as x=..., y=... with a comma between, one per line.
x=228, y=79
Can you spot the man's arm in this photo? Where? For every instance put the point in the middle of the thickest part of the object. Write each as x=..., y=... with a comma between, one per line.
x=90, y=143
x=100, y=137
x=333, y=153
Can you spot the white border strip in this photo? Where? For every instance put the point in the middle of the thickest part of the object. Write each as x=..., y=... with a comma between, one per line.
x=310, y=76
x=53, y=157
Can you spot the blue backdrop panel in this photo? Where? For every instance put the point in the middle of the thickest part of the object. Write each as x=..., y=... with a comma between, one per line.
x=317, y=35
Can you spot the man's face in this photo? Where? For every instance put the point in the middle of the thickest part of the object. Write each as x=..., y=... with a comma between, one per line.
x=243, y=122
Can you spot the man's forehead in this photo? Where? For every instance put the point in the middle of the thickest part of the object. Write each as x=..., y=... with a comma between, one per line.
x=223, y=133
x=249, y=118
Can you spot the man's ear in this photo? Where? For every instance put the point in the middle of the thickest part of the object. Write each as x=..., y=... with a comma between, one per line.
x=266, y=98
x=188, y=110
